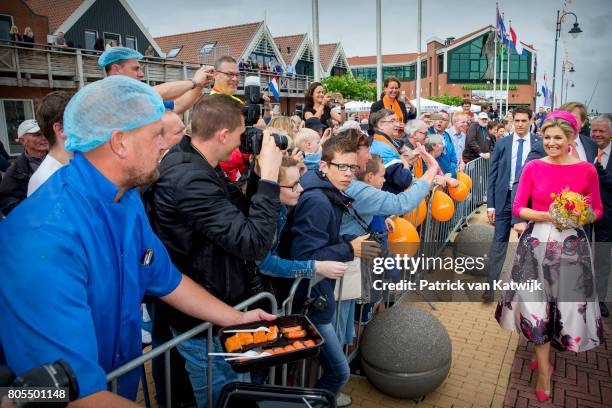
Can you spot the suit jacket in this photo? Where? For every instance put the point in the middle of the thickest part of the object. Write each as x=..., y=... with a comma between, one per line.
x=603, y=227
x=590, y=148
x=500, y=171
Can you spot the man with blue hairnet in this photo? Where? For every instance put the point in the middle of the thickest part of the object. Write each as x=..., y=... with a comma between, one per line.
x=125, y=61
x=82, y=252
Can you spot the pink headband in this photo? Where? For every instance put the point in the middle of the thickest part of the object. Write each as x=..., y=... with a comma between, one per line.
x=566, y=116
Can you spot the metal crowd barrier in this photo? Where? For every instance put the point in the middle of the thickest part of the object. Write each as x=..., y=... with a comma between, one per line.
x=434, y=236
x=167, y=346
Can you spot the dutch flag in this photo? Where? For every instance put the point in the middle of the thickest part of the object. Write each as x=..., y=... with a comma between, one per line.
x=273, y=87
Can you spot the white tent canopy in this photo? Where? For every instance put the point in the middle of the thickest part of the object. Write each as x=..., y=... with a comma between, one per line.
x=355, y=106
x=428, y=105
x=473, y=108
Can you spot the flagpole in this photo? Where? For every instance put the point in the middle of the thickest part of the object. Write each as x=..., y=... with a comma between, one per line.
x=495, y=60
x=508, y=77
x=417, y=91
x=501, y=79
x=501, y=67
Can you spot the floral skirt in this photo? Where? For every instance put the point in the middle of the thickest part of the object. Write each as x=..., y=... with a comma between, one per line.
x=564, y=308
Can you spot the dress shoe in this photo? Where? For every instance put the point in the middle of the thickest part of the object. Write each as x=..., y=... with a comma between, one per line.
x=542, y=396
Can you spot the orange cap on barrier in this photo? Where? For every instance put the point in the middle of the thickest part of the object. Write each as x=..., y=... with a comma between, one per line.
x=461, y=176
x=460, y=192
x=442, y=207
x=404, y=240
x=417, y=216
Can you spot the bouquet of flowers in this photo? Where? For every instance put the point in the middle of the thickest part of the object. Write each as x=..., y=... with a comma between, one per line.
x=570, y=210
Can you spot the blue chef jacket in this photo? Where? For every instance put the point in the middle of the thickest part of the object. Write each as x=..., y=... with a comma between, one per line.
x=73, y=278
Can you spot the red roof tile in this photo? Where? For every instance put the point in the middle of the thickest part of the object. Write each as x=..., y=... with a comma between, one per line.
x=57, y=11
x=386, y=59
x=288, y=46
x=233, y=38
x=326, y=51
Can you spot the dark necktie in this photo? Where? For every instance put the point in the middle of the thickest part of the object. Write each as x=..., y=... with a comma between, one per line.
x=519, y=160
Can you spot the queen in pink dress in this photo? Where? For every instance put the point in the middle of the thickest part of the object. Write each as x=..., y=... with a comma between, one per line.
x=565, y=311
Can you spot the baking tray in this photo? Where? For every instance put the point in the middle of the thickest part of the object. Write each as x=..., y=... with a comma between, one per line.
x=244, y=395
x=264, y=362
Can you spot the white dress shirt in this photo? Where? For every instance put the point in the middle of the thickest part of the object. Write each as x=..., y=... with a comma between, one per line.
x=526, y=150
x=580, y=148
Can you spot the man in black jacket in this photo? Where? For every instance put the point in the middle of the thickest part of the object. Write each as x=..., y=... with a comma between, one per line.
x=601, y=132
x=14, y=185
x=211, y=230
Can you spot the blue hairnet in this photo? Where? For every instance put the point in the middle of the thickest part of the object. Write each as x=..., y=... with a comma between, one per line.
x=117, y=102
x=115, y=54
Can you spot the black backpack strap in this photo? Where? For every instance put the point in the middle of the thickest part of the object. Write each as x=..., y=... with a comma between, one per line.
x=337, y=201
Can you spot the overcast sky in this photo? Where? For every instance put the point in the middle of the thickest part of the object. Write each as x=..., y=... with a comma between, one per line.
x=353, y=23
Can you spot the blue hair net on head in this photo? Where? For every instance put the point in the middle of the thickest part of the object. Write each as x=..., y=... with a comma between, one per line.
x=115, y=54
x=117, y=102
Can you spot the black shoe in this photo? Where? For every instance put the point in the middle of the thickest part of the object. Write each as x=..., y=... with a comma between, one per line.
x=604, y=309
x=488, y=296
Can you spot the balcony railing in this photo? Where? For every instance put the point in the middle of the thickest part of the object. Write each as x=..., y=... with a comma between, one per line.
x=51, y=67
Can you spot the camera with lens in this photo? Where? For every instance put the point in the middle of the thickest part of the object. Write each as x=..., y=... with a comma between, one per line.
x=56, y=375
x=252, y=138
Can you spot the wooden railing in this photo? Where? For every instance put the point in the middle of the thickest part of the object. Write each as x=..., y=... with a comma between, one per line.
x=47, y=66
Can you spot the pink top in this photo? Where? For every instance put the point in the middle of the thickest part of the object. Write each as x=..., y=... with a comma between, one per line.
x=539, y=179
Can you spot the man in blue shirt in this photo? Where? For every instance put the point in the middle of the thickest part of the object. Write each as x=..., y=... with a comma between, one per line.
x=448, y=158
x=80, y=254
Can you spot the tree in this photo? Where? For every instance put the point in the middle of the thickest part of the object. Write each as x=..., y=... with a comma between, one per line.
x=351, y=88
x=448, y=100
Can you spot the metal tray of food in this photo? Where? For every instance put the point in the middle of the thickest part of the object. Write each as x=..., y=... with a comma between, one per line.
x=302, y=342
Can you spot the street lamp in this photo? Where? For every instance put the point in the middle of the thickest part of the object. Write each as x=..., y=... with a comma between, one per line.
x=574, y=32
x=566, y=63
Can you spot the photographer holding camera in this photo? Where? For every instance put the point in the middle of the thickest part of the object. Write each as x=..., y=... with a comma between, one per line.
x=213, y=232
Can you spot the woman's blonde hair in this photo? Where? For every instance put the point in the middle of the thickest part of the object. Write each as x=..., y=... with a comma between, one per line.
x=283, y=123
x=28, y=30
x=296, y=120
x=14, y=30
x=565, y=126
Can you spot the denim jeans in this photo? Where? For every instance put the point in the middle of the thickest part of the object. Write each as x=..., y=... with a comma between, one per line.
x=195, y=353
x=333, y=361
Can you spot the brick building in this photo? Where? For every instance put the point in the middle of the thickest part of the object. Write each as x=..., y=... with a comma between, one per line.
x=458, y=67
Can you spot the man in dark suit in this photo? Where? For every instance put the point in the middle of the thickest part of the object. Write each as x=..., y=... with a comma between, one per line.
x=601, y=133
x=507, y=162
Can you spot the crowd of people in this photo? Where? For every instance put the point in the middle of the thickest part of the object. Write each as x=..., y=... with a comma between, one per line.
x=116, y=203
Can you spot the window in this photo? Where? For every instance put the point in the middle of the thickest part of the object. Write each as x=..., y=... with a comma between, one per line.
x=440, y=63
x=263, y=58
x=6, y=22
x=108, y=37
x=207, y=48
x=12, y=113
x=130, y=42
x=174, y=52
x=424, y=69
x=469, y=63
x=90, y=39
x=304, y=68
